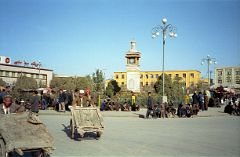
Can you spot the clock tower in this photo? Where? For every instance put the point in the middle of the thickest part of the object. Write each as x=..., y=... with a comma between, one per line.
x=133, y=71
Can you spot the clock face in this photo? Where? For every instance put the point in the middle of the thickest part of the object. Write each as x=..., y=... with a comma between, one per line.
x=131, y=61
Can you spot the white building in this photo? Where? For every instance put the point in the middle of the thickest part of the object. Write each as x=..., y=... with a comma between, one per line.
x=10, y=72
x=227, y=76
x=133, y=68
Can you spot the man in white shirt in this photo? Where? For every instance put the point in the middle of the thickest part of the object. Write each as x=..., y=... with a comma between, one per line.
x=7, y=106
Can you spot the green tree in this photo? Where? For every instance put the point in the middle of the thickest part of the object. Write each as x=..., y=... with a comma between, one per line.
x=2, y=83
x=72, y=83
x=63, y=83
x=173, y=89
x=24, y=83
x=98, y=80
x=112, y=88
x=200, y=86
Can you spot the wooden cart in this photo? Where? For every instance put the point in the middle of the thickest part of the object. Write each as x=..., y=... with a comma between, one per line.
x=24, y=132
x=85, y=119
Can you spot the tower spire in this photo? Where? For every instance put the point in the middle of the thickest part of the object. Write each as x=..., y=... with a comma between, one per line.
x=133, y=46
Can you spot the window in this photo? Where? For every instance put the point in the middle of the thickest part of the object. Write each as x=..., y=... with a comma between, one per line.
x=184, y=75
x=237, y=72
x=237, y=80
x=151, y=75
x=37, y=76
x=32, y=75
x=19, y=74
x=157, y=75
x=44, y=77
x=141, y=84
x=229, y=72
x=220, y=81
x=177, y=75
x=229, y=80
x=116, y=76
x=147, y=76
x=219, y=73
x=141, y=76
x=122, y=83
x=170, y=75
x=122, y=76
x=192, y=75
x=1, y=73
x=13, y=74
x=6, y=73
x=146, y=83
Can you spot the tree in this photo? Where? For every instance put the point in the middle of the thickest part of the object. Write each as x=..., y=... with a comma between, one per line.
x=112, y=88
x=200, y=86
x=98, y=80
x=2, y=83
x=24, y=83
x=173, y=89
x=63, y=83
x=71, y=83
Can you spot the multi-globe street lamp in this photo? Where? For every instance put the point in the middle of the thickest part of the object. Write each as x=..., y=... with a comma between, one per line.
x=165, y=28
x=209, y=61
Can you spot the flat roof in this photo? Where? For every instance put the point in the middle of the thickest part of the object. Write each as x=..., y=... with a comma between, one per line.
x=236, y=67
x=161, y=71
x=27, y=67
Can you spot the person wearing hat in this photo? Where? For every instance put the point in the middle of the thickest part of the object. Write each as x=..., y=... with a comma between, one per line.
x=8, y=107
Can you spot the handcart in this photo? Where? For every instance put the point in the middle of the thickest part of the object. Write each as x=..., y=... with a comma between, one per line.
x=85, y=119
x=24, y=132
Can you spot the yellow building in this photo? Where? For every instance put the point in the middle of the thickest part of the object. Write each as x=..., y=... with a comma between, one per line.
x=134, y=79
x=148, y=78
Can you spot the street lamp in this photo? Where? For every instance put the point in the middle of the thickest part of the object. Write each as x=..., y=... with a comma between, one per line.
x=172, y=33
x=209, y=61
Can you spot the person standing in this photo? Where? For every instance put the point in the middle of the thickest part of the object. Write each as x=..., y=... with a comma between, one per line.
x=195, y=99
x=35, y=100
x=206, y=101
x=201, y=100
x=75, y=96
x=62, y=98
x=149, y=105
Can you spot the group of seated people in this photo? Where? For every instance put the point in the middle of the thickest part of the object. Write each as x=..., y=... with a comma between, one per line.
x=233, y=108
x=187, y=110
x=108, y=105
x=166, y=110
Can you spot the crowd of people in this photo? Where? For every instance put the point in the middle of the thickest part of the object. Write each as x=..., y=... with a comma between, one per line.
x=232, y=105
x=166, y=110
x=61, y=100
x=109, y=105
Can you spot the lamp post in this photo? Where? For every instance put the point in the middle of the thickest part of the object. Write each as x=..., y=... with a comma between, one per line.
x=39, y=79
x=209, y=61
x=165, y=28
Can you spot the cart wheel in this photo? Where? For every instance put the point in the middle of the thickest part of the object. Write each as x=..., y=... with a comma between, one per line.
x=71, y=129
x=3, y=152
x=99, y=134
x=39, y=153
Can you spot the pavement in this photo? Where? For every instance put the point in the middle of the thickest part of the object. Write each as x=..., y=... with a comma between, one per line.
x=211, y=112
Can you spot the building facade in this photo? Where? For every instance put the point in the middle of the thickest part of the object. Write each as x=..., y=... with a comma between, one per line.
x=134, y=79
x=148, y=78
x=227, y=76
x=10, y=72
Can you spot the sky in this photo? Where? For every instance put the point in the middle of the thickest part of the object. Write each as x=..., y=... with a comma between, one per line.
x=76, y=37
